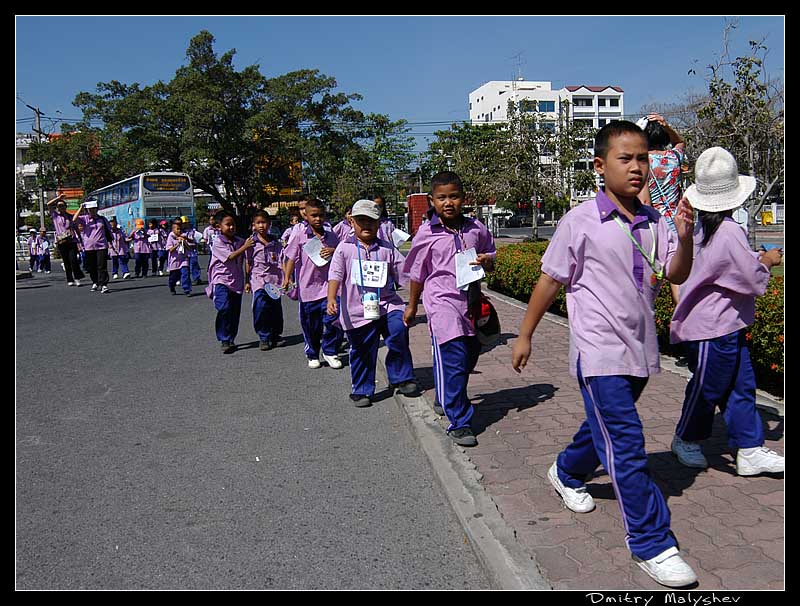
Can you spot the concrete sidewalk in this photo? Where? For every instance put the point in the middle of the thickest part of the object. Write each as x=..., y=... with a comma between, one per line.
x=730, y=528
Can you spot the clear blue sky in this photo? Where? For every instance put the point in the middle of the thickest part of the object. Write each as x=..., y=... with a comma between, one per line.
x=417, y=68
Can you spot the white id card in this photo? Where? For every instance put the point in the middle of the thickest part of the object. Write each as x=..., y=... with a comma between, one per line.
x=375, y=273
x=399, y=236
x=466, y=273
x=313, y=248
x=273, y=292
x=152, y=238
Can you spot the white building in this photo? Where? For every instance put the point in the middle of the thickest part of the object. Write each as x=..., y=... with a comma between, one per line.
x=24, y=167
x=595, y=105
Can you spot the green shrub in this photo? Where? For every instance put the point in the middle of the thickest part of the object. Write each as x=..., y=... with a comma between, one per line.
x=519, y=266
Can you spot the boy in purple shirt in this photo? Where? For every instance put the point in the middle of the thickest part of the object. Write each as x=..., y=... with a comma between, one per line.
x=364, y=333
x=264, y=274
x=178, y=260
x=344, y=229
x=43, y=251
x=118, y=249
x=611, y=254
x=431, y=263
x=715, y=307
x=226, y=281
x=312, y=282
x=156, y=238
x=141, y=249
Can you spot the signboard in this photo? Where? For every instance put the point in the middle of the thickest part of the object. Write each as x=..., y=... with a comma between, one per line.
x=165, y=183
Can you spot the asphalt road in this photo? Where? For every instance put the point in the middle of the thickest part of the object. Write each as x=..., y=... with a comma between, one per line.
x=145, y=459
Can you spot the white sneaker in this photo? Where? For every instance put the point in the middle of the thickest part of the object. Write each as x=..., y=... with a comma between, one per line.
x=333, y=361
x=76, y=283
x=314, y=364
x=577, y=499
x=104, y=289
x=753, y=461
x=94, y=287
x=70, y=283
x=63, y=268
x=161, y=273
x=115, y=277
x=689, y=453
x=126, y=276
x=668, y=568
x=47, y=271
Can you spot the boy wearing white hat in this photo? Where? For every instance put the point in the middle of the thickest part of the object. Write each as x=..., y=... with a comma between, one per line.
x=365, y=269
x=716, y=305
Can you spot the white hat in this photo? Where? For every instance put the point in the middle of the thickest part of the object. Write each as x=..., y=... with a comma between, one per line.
x=367, y=208
x=642, y=122
x=718, y=185
x=90, y=204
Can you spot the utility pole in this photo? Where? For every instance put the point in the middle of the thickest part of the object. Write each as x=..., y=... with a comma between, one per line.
x=38, y=131
x=420, y=172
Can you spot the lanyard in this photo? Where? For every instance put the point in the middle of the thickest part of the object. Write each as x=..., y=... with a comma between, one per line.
x=651, y=258
x=362, y=288
x=458, y=236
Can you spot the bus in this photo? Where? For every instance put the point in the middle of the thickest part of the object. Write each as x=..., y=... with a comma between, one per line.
x=151, y=195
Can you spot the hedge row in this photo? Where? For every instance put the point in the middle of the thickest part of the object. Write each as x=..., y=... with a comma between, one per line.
x=518, y=268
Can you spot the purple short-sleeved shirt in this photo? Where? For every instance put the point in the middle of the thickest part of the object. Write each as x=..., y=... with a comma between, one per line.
x=609, y=286
x=118, y=246
x=312, y=281
x=719, y=297
x=265, y=264
x=431, y=261
x=62, y=223
x=343, y=230
x=140, y=243
x=158, y=245
x=94, y=235
x=221, y=271
x=351, y=311
x=175, y=258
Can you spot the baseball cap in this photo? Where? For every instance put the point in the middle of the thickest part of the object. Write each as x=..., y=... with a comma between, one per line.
x=366, y=208
x=90, y=203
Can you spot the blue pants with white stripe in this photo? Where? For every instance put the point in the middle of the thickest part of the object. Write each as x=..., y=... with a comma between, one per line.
x=229, y=307
x=118, y=261
x=180, y=275
x=267, y=316
x=194, y=266
x=723, y=376
x=364, y=342
x=452, y=363
x=319, y=329
x=612, y=436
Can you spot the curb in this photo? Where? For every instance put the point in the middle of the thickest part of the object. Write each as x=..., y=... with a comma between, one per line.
x=494, y=542
x=765, y=401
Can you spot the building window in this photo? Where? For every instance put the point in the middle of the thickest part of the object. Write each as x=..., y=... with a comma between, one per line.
x=614, y=102
x=547, y=106
x=582, y=102
x=602, y=122
x=548, y=126
x=601, y=103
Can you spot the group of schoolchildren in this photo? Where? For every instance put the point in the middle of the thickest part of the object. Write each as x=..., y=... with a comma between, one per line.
x=39, y=251
x=610, y=253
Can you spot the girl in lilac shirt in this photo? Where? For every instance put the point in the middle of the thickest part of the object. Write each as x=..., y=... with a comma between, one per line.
x=716, y=304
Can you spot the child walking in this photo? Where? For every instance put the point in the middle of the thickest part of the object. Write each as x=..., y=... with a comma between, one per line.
x=177, y=260
x=141, y=249
x=264, y=274
x=370, y=308
x=33, y=258
x=447, y=239
x=194, y=259
x=118, y=249
x=43, y=251
x=611, y=254
x=715, y=307
x=226, y=281
x=157, y=238
x=318, y=327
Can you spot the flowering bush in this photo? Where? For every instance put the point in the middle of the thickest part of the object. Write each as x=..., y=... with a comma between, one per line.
x=519, y=266
x=516, y=271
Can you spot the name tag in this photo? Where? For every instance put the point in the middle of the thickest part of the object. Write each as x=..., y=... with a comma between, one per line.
x=313, y=248
x=375, y=273
x=153, y=238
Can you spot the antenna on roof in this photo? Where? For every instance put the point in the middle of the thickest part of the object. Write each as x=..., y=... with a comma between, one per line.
x=519, y=63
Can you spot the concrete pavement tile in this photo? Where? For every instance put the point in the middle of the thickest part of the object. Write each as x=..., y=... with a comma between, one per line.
x=752, y=576
x=763, y=531
x=774, y=550
x=713, y=559
x=735, y=495
x=555, y=563
x=719, y=533
x=560, y=535
x=589, y=555
x=710, y=503
x=511, y=487
x=762, y=485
